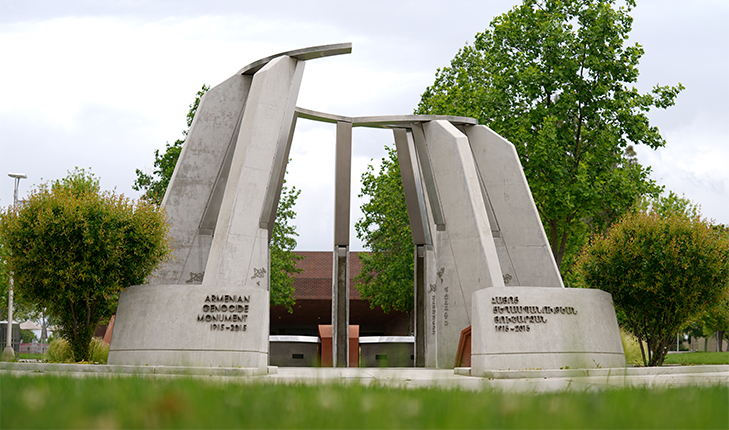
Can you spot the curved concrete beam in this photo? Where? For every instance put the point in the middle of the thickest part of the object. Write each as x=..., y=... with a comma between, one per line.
x=382, y=121
x=303, y=54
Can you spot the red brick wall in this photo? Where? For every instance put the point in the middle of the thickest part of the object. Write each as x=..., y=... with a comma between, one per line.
x=313, y=293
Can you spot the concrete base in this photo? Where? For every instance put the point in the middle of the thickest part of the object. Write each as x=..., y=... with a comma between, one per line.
x=191, y=325
x=387, y=351
x=521, y=328
x=294, y=351
x=516, y=382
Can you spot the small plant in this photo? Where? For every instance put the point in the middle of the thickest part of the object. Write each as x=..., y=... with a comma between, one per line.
x=59, y=351
x=631, y=348
x=99, y=351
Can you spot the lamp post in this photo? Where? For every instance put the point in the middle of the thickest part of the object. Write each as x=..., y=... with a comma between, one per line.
x=8, y=353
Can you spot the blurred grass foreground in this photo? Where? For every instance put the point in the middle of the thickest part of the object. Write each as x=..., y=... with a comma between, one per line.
x=47, y=401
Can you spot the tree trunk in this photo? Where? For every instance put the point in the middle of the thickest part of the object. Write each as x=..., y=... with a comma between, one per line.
x=719, y=340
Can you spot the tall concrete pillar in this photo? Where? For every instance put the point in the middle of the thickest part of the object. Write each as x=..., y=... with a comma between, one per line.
x=340, y=281
x=239, y=250
x=419, y=227
x=524, y=252
x=465, y=254
x=193, y=197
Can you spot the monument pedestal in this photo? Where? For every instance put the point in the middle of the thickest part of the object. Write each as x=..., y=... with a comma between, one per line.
x=521, y=328
x=191, y=325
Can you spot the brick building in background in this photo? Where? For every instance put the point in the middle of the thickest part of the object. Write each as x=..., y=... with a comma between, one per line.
x=313, y=293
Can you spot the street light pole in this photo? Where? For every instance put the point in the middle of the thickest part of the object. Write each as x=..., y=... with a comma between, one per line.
x=9, y=353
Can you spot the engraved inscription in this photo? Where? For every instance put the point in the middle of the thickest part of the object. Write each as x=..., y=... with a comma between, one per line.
x=225, y=312
x=440, y=273
x=434, y=312
x=195, y=278
x=515, y=318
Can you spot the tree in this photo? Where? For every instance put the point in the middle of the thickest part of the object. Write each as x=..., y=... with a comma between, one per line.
x=72, y=248
x=283, y=259
x=715, y=321
x=555, y=78
x=386, y=279
x=663, y=270
x=283, y=239
x=22, y=311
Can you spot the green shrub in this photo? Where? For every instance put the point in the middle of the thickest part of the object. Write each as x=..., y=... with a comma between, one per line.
x=99, y=351
x=631, y=348
x=663, y=271
x=59, y=351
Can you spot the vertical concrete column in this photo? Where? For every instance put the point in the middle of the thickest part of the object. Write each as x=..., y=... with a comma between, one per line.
x=239, y=250
x=340, y=281
x=413, y=195
x=524, y=240
x=434, y=221
x=419, y=305
x=415, y=201
x=196, y=188
x=466, y=257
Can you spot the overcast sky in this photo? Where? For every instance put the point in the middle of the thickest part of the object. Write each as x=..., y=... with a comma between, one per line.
x=102, y=84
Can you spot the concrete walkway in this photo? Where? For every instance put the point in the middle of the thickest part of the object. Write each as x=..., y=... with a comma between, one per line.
x=512, y=381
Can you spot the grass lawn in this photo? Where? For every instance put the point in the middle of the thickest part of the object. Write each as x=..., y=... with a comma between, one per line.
x=45, y=401
x=695, y=358
x=29, y=356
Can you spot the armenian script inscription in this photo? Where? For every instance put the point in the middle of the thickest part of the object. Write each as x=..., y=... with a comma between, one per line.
x=512, y=317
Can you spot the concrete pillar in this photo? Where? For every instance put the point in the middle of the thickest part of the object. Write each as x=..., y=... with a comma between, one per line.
x=239, y=250
x=466, y=257
x=420, y=299
x=197, y=185
x=415, y=200
x=340, y=308
x=340, y=281
x=524, y=252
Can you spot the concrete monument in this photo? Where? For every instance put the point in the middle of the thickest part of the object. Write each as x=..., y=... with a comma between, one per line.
x=480, y=245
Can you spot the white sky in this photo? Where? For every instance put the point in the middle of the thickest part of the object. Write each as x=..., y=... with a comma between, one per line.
x=102, y=84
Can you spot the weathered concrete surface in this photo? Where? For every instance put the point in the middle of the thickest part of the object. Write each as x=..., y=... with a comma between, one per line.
x=239, y=251
x=191, y=190
x=543, y=328
x=520, y=238
x=465, y=254
x=191, y=325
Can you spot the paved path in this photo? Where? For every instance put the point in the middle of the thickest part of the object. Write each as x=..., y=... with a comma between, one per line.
x=515, y=381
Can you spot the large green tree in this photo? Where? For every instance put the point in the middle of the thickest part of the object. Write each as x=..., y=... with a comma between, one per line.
x=283, y=239
x=72, y=248
x=283, y=259
x=664, y=268
x=386, y=279
x=555, y=77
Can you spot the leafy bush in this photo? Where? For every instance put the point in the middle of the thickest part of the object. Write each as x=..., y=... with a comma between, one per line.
x=73, y=248
x=662, y=269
